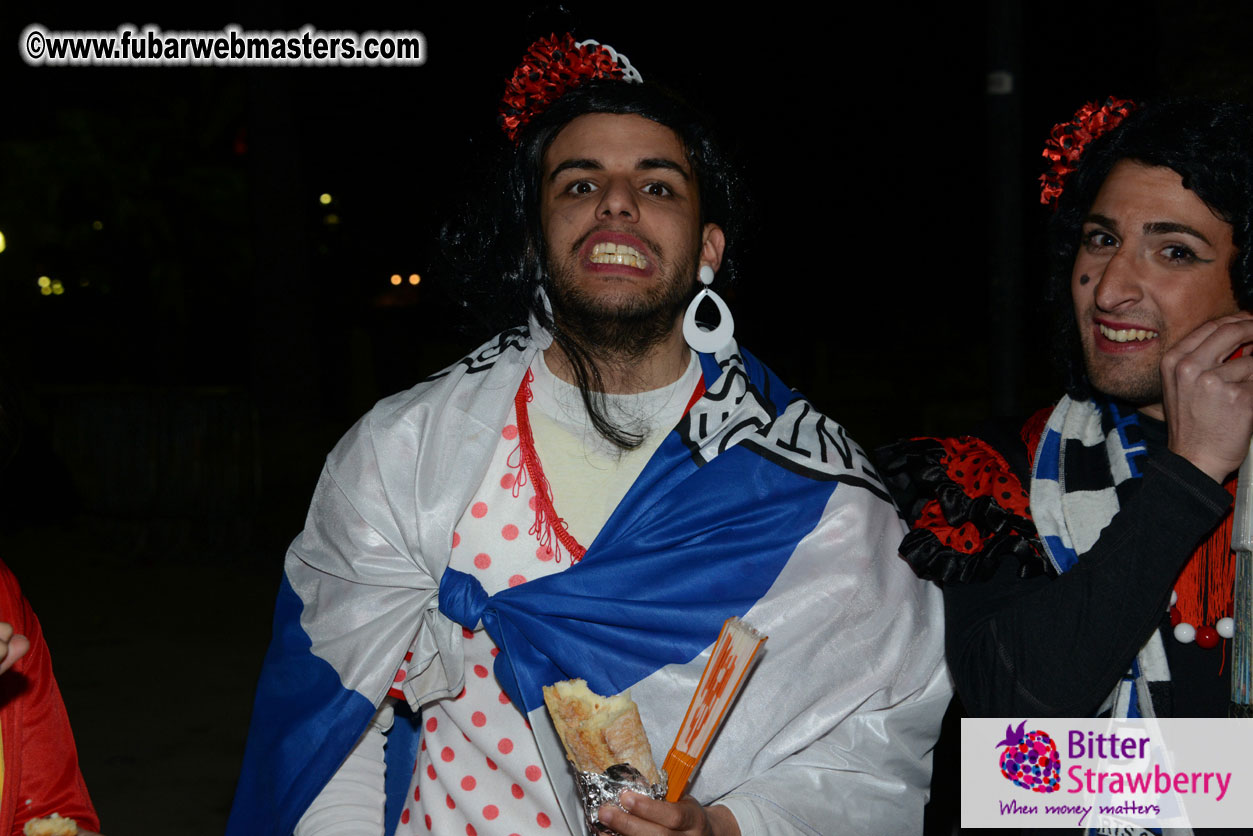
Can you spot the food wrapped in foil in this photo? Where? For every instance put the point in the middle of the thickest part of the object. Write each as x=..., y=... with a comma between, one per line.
x=605, y=741
x=599, y=788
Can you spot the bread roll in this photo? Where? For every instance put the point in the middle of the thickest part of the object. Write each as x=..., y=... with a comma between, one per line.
x=598, y=732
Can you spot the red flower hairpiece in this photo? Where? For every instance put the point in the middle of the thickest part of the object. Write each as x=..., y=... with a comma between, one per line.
x=552, y=67
x=1068, y=140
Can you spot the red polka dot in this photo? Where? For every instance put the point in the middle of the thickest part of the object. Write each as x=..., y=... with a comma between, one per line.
x=468, y=783
x=456, y=539
x=510, y=432
x=452, y=805
x=400, y=676
x=506, y=481
x=423, y=747
x=460, y=695
x=428, y=822
x=430, y=771
x=480, y=671
x=466, y=736
x=505, y=745
x=543, y=820
x=490, y=812
x=482, y=560
x=516, y=790
x=495, y=650
x=417, y=793
x=404, y=817
x=447, y=755
x=470, y=831
x=517, y=580
x=533, y=773
x=531, y=503
x=509, y=532
x=491, y=764
x=431, y=723
x=503, y=698
x=479, y=719
x=544, y=553
x=467, y=633
x=478, y=510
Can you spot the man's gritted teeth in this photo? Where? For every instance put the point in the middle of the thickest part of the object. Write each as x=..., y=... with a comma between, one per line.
x=1126, y=335
x=608, y=252
x=618, y=253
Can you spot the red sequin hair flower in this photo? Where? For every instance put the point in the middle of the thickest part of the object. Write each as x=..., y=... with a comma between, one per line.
x=552, y=67
x=1068, y=140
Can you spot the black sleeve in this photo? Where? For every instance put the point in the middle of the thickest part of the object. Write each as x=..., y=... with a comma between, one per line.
x=1056, y=645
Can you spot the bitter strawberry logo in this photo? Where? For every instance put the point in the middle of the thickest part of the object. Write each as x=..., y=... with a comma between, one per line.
x=1030, y=759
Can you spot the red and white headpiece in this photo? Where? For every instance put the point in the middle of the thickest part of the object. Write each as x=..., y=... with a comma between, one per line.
x=552, y=67
x=1068, y=140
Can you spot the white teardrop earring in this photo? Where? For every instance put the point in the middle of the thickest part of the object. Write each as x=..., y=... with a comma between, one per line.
x=708, y=342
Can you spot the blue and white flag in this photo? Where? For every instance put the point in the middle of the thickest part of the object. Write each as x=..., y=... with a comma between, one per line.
x=755, y=505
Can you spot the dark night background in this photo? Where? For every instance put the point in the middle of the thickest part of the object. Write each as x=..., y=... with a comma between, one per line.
x=218, y=327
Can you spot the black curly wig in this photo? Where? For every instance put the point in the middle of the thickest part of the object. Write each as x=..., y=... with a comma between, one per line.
x=1210, y=145
x=496, y=248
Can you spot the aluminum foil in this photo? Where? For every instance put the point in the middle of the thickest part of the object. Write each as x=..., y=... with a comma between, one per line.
x=599, y=788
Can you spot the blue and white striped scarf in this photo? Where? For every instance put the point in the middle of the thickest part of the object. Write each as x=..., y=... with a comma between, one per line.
x=1089, y=448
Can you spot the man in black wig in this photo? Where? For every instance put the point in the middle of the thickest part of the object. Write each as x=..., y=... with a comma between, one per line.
x=1085, y=556
x=591, y=497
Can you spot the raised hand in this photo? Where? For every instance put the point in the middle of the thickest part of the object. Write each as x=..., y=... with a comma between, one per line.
x=1208, y=398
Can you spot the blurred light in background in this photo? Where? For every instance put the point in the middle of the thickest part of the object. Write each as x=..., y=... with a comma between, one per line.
x=50, y=287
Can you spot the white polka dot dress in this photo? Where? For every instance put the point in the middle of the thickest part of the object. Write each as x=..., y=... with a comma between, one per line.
x=479, y=772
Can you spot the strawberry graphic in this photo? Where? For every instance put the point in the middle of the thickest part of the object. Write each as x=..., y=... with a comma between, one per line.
x=1030, y=759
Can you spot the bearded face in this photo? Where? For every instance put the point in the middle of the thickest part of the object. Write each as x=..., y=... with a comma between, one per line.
x=620, y=210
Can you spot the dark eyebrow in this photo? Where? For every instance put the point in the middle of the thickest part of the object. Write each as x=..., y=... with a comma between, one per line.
x=1166, y=227
x=661, y=162
x=1150, y=228
x=581, y=164
x=646, y=164
x=1101, y=220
